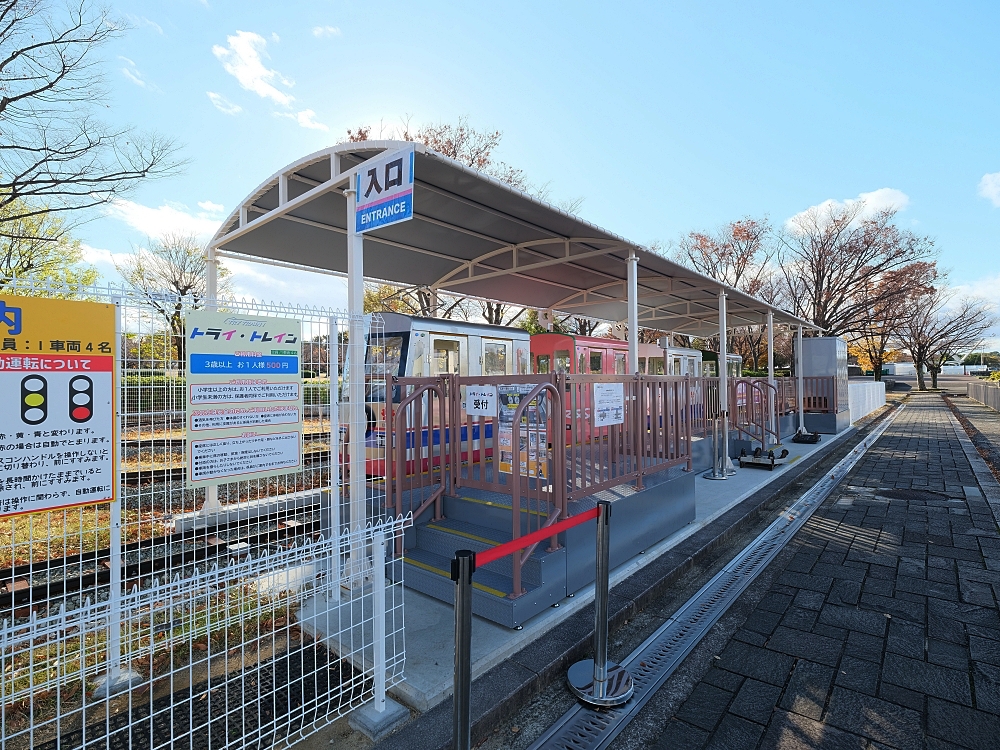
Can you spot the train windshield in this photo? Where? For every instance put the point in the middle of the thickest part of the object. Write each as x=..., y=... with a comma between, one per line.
x=384, y=357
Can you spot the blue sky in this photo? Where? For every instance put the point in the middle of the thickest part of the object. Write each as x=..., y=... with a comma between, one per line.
x=664, y=117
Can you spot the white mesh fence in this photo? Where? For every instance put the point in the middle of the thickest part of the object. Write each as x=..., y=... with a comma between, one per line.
x=240, y=622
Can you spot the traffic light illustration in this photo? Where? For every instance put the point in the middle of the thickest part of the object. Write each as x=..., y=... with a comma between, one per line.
x=34, y=399
x=81, y=398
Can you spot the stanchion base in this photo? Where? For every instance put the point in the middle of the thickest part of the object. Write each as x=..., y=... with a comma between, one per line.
x=618, y=688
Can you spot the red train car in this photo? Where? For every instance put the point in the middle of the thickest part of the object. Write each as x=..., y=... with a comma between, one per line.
x=586, y=355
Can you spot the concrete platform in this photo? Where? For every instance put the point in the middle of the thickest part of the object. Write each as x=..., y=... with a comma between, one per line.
x=430, y=623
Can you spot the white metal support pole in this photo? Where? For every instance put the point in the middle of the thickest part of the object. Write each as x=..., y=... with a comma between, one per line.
x=117, y=678
x=723, y=384
x=801, y=381
x=211, y=504
x=773, y=406
x=356, y=383
x=332, y=527
x=633, y=313
x=378, y=603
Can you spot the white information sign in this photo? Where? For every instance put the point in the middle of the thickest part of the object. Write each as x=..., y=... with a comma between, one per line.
x=244, y=396
x=481, y=400
x=609, y=404
x=57, y=405
x=384, y=190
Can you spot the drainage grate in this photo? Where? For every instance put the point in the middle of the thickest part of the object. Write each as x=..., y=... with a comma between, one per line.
x=650, y=665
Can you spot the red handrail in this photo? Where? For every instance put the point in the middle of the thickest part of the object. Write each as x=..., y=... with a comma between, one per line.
x=509, y=548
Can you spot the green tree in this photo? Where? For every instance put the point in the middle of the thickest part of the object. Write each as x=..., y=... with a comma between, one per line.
x=37, y=246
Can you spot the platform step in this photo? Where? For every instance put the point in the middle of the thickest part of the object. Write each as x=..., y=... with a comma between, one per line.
x=486, y=581
x=447, y=536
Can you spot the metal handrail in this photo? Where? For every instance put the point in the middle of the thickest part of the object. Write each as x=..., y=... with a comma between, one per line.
x=558, y=487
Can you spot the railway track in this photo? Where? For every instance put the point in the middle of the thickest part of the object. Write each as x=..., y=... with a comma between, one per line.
x=48, y=581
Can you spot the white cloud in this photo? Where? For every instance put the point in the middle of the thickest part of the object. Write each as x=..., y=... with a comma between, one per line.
x=222, y=104
x=253, y=280
x=242, y=59
x=212, y=208
x=874, y=202
x=143, y=21
x=98, y=256
x=989, y=188
x=306, y=118
x=322, y=31
x=132, y=72
x=168, y=218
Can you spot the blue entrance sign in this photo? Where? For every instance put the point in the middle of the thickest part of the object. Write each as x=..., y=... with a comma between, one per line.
x=384, y=190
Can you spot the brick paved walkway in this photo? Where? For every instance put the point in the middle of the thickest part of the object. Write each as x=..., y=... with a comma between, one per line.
x=883, y=630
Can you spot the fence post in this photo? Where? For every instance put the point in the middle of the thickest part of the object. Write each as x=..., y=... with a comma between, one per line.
x=378, y=605
x=598, y=682
x=462, y=568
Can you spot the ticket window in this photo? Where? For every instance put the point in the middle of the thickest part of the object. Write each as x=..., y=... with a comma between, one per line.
x=596, y=362
x=446, y=359
x=495, y=357
x=561, y=360
x=620, y=368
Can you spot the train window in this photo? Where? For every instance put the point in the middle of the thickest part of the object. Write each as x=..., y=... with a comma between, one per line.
x=562, y=360
x=542, y=364
x=494, y=359
x=595, y=362
x=383, y=360
x=445, y=357
x=523, y=362
x=620, y=363
x=656, y=366
x=642, y=364
x=582, y=369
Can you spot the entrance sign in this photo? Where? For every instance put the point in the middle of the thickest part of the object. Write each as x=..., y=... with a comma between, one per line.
x=609, y=404
x=244, y=414
x=533, y=448
x=481, y=400
x=384, y=191
x=57, y=404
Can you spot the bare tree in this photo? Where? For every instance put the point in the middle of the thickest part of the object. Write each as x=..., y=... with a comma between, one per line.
x=166, y=271
x=500, y=313
x=55, y=154
x=413, y=300
x=937, y=327
x=834, y=257
x=740, y=254
x=887, y=307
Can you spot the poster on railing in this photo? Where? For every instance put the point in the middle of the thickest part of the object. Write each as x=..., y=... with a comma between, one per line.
x=609, y=404
x=244, y=381
x=57, y=404
x=533, y=448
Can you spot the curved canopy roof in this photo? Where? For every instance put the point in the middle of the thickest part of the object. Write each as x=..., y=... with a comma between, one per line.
x=474, y=235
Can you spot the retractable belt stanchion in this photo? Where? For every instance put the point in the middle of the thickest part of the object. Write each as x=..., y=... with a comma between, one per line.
x=462, y=568
x=597, y=681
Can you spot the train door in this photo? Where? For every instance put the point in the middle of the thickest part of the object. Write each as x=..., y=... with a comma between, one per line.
x=448, y=355
x=621, y=364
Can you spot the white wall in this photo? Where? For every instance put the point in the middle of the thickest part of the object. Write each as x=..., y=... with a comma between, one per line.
x=900, y=368
x=864, y=398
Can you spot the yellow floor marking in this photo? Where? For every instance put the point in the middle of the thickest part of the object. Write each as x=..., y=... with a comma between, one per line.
x=497, y=505
x=466, y=534
x=438, y=571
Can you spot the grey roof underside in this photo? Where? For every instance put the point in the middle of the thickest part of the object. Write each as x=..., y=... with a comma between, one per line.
x=462, y=216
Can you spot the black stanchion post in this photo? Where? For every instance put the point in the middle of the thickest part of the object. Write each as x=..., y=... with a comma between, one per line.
x=462, y=568
x=597, y=681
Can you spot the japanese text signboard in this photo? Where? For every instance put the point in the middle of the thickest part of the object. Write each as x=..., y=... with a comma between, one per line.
x=533, y=448
x=384, y=190
x=481, y=400
x=609, y=404
x=244, y=396
x=57, y=405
